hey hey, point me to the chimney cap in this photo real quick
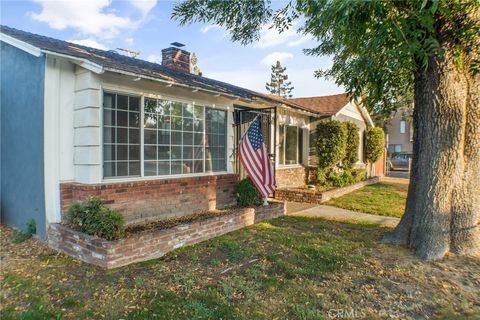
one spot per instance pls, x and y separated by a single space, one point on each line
177 44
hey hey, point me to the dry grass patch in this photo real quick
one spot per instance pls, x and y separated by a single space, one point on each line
288 268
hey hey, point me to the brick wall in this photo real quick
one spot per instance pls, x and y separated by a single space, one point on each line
151 200
312 196
290 177
154 244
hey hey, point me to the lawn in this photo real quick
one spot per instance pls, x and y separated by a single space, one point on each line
289 268
385 199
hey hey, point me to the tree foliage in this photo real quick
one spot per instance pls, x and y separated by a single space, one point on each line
376 45
194 68
351 149
375 143
279 84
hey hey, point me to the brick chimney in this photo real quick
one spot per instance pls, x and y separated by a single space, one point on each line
176 59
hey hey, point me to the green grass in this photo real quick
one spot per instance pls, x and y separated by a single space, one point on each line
380 199
288 268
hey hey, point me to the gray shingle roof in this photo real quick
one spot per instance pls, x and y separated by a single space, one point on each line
111 60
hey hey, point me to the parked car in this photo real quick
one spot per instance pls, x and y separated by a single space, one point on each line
399 161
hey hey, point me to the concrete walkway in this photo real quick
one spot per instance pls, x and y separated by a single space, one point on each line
338 213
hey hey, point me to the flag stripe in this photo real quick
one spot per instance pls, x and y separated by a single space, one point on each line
255 159
252 172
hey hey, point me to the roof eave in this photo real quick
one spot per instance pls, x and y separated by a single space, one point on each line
22 45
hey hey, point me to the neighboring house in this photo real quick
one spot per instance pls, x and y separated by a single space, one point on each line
338 107
153 141
400 132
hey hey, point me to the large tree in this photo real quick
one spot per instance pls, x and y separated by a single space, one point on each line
383 50
279 84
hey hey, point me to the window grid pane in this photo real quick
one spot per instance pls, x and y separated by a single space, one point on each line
121 135
173 137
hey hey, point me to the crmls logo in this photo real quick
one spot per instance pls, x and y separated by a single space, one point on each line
346 314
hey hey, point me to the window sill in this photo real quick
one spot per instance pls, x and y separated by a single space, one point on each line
177 176
289 166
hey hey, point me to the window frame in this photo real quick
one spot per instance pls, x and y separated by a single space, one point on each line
403 126
102 138
282 157
114 90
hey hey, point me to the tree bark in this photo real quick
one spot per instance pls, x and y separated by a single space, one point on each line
443 205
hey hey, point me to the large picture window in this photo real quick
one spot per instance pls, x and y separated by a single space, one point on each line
173 138
121 135
178 138
291 145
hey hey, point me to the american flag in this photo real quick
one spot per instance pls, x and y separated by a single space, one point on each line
255 159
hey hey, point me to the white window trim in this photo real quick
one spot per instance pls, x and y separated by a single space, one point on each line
142 96
293 165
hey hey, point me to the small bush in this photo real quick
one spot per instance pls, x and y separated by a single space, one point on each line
340 180
21 236
359 175
247 193
92 217
351 150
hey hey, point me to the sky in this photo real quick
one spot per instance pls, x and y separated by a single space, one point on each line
146 26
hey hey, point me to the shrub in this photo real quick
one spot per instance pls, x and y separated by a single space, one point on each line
247 193
21 236
331 142
340 180
375 143
359 175
94 218
351 149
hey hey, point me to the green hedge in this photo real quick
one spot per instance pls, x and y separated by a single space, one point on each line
93 218
247 193
331 141
351 149
375 143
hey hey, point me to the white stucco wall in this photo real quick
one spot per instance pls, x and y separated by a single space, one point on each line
59 131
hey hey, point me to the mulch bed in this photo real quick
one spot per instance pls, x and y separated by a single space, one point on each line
173 222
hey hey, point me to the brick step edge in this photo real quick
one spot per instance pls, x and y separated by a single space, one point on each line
310 196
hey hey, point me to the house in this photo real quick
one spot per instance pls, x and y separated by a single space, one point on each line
400 131
152 140
335 107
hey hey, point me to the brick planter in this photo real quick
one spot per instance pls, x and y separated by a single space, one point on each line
157 199
153 244
318 197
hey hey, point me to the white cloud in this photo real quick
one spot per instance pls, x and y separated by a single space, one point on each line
209 27
303 80
88 17
155 58
273 57
89 43
145 6
130 41
298 41
270 37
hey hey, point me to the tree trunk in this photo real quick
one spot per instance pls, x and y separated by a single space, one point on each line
443 205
